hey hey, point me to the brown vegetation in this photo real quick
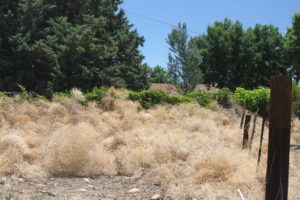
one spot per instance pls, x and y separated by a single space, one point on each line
165 87
191 151
171 89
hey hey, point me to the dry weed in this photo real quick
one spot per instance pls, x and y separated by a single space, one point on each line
191 151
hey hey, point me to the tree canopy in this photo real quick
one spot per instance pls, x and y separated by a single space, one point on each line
292 46
234 57
184 59
51 45
159 75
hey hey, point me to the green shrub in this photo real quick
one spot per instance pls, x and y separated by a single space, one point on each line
224 97
201 97
2 94
254 99
96 94
149 98
179 99
23 94
242 96
134 96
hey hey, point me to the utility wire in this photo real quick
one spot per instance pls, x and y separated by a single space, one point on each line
159 21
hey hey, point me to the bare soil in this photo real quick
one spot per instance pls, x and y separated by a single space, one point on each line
74 188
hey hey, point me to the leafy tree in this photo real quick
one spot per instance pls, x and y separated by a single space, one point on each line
292 46
51 45
263 53
221 49
234 57
184 59
159 75
132 77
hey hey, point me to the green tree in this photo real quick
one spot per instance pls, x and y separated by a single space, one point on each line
159 75
237 58
263 55
292 46
221 48
51 45
184 59
193 74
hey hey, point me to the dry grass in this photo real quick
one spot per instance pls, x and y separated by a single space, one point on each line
165 87
192 152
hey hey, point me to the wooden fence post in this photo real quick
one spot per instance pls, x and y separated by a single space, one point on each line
279 139
261 140
253 130
243 116
246 130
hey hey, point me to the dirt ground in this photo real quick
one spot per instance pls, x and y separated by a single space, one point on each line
100 188
91 188
296 153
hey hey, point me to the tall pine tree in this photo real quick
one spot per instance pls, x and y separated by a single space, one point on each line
51 45
184 59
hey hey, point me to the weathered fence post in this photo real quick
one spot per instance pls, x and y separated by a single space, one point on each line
253 130
261 140
279 139
243 116
246 130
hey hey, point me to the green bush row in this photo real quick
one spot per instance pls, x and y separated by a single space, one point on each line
201 97
96 94
254 100
257 99
149 98
224 97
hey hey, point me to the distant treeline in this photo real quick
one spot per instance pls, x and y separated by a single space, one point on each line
228 55
50 46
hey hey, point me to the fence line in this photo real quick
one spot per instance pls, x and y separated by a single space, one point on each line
246 130
279 146
253 130
293 146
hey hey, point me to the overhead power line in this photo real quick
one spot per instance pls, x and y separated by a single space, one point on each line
159 21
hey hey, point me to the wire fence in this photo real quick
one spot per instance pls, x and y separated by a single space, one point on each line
266 124
263 124
249 118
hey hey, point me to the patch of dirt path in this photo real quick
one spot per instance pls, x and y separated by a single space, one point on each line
104 188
